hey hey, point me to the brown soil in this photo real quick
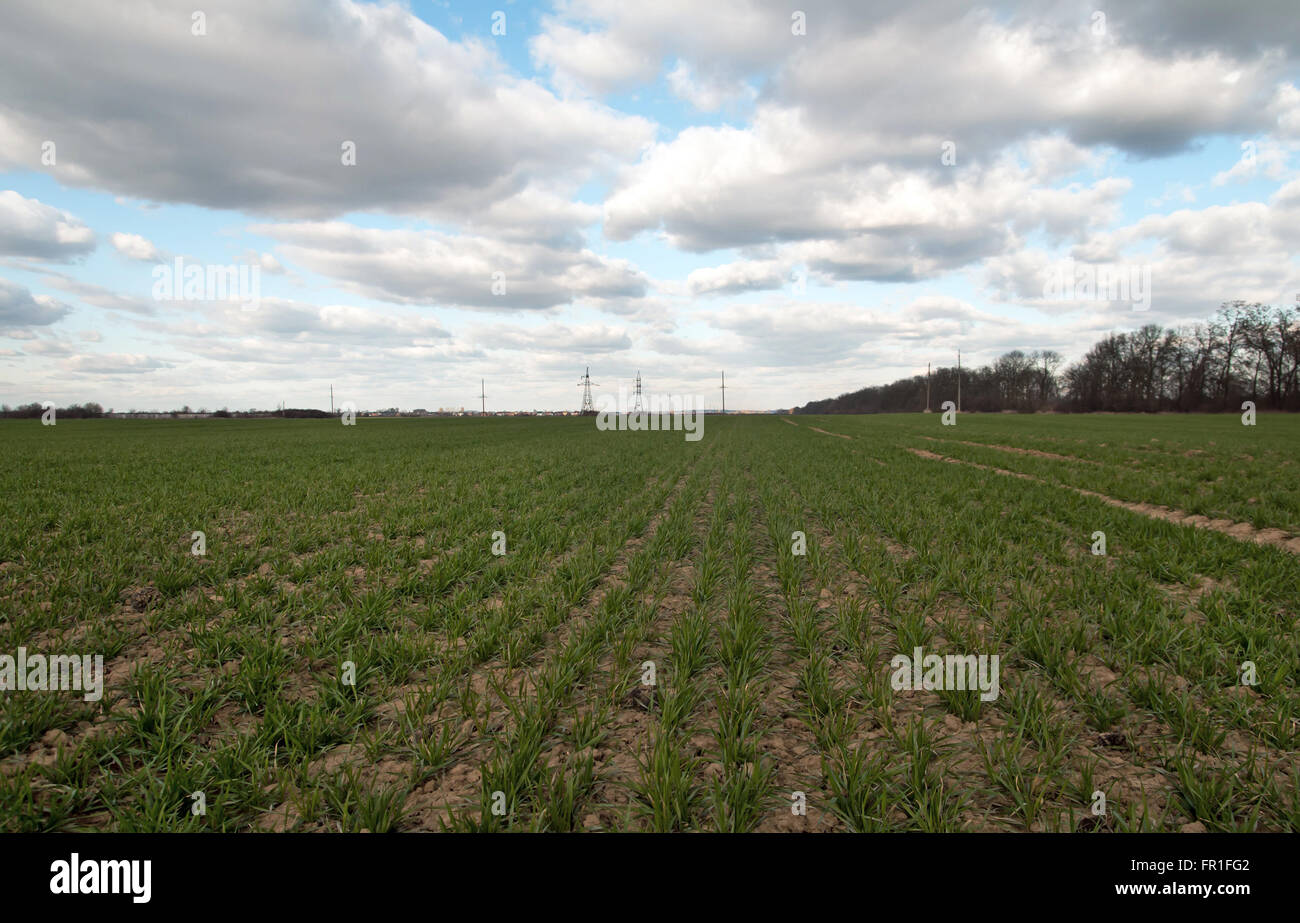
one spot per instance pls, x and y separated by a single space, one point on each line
840 435
1015 450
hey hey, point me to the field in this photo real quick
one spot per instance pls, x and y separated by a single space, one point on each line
352 652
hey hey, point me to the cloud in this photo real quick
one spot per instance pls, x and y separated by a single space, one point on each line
29 228
881 224
602 46
20 308
705 94
47 348
846 139
740 276
439 269
786 332
587 61
97 295
1195 260
1206 25
584 339
340 324
135 247
901 85
1264 158
254 115
112 364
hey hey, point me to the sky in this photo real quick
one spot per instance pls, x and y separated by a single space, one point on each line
404 200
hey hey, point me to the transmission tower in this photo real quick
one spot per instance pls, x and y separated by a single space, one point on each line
588 407
724 392
482 387
636 395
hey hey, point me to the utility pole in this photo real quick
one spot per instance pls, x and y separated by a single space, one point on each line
724 392
331 400
959 381
482 397
927 387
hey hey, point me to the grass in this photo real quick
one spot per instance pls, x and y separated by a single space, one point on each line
350 654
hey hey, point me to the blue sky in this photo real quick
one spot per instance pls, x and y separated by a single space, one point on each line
661 188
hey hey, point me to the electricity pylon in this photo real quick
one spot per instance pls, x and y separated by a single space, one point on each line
588 406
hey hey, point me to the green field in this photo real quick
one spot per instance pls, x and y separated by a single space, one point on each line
349 653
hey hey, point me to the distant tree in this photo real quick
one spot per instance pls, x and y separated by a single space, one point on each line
1245 350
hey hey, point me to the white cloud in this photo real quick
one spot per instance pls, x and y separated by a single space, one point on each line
30 228
255 114
704 94
740 276
1259 158
434 268
112 364
97 295
592 62
135 247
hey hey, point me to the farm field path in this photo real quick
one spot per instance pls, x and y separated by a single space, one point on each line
1239 530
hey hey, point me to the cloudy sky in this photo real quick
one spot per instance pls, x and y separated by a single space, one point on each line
813 196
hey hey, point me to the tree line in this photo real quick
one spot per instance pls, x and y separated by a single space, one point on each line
1247 351
34 410
91 410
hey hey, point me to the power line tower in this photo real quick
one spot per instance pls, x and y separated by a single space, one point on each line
927 387
588 406
636 395
482 387
724 392
331 400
